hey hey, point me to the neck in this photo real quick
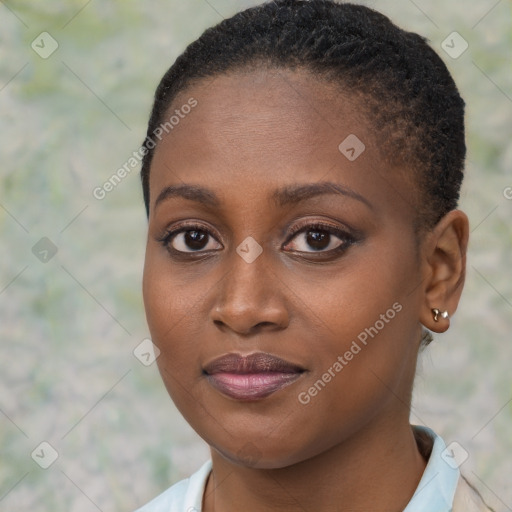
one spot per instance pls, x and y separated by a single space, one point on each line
379 465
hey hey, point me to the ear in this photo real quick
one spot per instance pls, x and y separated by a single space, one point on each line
444 268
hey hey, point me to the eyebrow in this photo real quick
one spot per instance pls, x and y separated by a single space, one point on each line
290 194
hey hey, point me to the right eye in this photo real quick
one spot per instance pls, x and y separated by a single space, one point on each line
194 237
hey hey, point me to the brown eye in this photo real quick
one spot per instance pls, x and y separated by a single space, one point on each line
319 238
190 239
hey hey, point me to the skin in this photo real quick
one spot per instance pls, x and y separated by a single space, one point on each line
351 447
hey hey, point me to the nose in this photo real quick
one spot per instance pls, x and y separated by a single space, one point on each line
250 299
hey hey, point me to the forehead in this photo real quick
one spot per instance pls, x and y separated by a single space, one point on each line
255 131
269 109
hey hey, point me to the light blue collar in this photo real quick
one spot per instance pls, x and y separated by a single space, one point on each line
437 486
434 492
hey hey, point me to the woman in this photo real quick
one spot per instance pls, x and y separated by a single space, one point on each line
301 174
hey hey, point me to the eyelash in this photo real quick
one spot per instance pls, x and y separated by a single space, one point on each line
346 238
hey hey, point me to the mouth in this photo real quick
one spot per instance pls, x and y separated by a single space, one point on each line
251 377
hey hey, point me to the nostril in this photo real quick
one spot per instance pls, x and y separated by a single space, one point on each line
262 324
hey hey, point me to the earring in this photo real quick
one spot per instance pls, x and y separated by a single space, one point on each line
436 314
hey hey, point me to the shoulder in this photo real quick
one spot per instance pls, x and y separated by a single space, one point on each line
442 485
170 499
186 494
467 498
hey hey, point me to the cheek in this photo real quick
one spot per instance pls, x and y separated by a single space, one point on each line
366 327
362 368
166 302
175 302
168 307
359 302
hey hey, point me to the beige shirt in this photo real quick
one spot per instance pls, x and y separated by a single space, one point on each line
467 499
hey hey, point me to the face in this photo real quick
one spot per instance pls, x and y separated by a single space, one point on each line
282 288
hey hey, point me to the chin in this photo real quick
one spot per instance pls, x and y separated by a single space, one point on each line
256 455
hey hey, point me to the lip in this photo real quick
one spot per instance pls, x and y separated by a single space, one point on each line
251 377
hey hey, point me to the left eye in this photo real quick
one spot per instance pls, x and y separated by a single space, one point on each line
320 238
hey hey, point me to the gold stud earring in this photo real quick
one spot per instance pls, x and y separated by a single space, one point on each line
436 313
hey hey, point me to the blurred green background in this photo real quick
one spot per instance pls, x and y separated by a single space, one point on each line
70 321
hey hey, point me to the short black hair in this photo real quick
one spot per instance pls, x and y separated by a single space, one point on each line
409 95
